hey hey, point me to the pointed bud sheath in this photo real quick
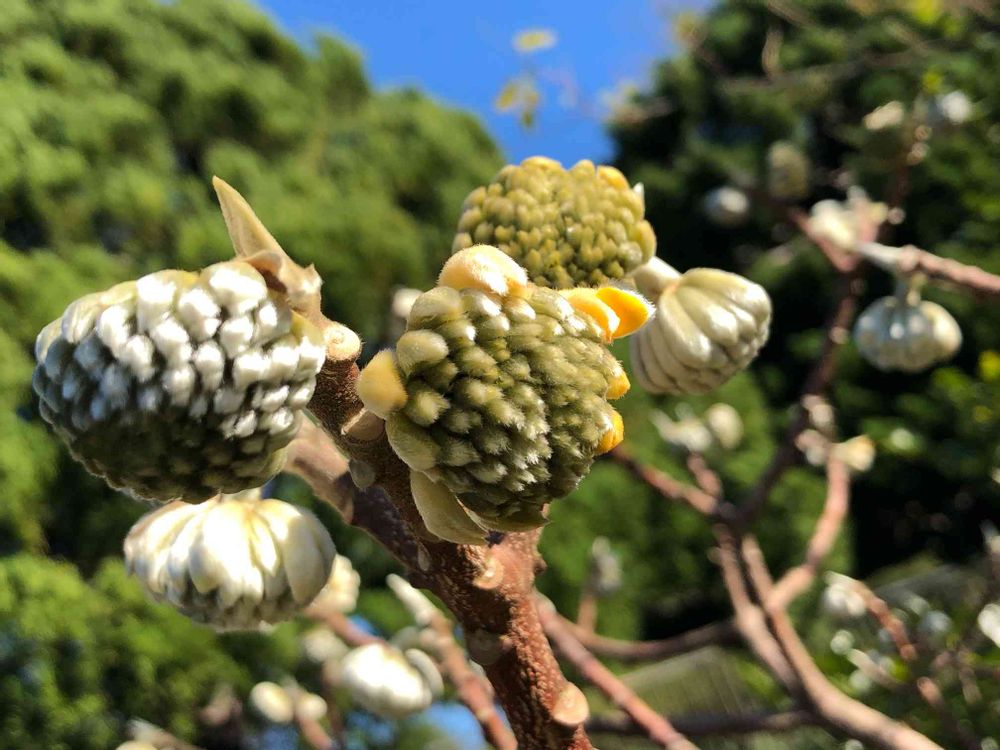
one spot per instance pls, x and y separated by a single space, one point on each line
578 227
234 561
904 333
709 325
497 396
388 682
184 385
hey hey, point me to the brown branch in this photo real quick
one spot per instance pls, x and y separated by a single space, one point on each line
490 590
910 260
713 634
470 687
670 488
924 685
657 727
709 725
836 709
824 536
817 382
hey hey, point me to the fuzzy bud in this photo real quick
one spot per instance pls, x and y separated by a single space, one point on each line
388 682
709 325
904 333
788 170
184 385
497 396
578 227
726 206
234 561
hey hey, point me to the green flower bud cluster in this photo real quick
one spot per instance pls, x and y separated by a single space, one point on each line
578 227
506 399
179 385
906 333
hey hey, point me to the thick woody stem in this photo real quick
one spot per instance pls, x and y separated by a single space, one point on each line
470 686
657 727
490 590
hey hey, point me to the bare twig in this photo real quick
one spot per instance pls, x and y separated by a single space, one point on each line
910 260
713 634
670 488
658 728
824 536
709 725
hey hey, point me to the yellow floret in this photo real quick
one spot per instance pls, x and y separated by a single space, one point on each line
631 308
612 437
485 268
380 387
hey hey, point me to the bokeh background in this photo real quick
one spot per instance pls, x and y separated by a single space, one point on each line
356 130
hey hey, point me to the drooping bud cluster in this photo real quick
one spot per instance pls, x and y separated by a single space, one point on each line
578 227
498 392
184 385
904 333
234 561
843 223
709 325
389 682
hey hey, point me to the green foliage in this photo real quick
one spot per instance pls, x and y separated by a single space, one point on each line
828 64
116 115
78 660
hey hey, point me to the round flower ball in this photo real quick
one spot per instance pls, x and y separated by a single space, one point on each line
581 226
497 394
234 561
182 385
904 333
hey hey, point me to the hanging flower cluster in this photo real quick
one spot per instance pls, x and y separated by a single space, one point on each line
234 561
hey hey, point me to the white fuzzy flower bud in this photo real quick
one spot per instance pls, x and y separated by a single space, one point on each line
421 609
904 333
389 682
725 424
340 594
726 206
841 600
709 325
988 621
320 645
951 109
890 115
234 561
858 453
272 702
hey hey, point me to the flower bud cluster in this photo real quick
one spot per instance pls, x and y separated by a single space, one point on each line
578 227
179 385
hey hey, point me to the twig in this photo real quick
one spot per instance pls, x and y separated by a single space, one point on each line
670 488
910 260
657 727
817 382
824 536
470 686
713 634
710 725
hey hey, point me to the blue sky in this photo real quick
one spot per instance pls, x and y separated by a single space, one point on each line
461 53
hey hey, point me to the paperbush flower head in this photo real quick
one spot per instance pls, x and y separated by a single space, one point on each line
904 333
709 325
389 682
234 561
184 385
497 395
578 227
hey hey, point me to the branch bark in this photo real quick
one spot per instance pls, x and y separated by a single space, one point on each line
657 727
490 590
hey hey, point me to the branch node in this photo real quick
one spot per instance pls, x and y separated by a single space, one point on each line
570 708
491 574
362 473
486 648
